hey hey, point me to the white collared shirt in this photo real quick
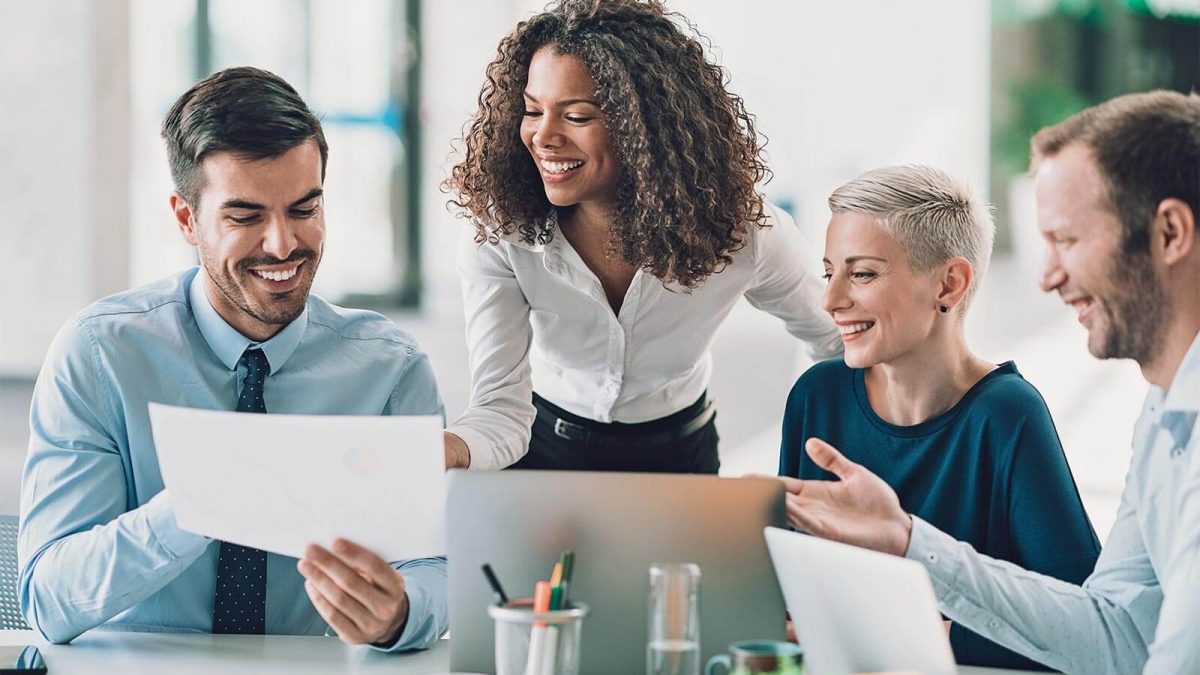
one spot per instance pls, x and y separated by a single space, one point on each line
538 319
1140 608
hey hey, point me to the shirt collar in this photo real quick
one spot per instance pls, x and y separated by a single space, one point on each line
1184 393
228 344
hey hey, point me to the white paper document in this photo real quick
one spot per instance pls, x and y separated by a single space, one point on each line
280 482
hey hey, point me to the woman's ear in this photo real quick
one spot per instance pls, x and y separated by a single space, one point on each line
957 277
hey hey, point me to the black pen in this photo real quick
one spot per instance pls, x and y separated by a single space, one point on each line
501 598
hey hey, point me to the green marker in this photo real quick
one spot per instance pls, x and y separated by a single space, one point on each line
568 567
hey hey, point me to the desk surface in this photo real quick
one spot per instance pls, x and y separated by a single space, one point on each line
186 653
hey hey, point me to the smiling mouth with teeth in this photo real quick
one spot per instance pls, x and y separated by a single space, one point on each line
283 275
560 167
855 328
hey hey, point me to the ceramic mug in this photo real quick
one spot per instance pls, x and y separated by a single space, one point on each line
759 657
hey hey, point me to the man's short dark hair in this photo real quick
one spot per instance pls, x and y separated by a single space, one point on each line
1147 147
250 112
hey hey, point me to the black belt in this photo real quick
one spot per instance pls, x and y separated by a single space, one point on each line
590 432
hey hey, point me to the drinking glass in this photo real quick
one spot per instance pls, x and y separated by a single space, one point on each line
673 647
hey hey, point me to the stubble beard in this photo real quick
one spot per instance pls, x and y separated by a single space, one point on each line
1137 310
278 311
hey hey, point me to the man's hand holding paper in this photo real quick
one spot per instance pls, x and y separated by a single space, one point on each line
358 593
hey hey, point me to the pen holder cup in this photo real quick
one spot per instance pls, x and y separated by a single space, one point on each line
533 643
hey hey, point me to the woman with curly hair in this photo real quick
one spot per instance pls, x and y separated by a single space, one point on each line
611 181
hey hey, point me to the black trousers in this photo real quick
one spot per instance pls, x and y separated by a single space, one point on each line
622 447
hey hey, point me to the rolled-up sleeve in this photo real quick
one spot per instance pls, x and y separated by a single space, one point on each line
496 423
788 285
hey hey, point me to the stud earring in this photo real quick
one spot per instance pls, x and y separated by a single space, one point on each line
944 309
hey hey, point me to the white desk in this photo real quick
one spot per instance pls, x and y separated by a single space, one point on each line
186 653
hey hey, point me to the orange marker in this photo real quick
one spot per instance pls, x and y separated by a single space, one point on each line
542 654
541 598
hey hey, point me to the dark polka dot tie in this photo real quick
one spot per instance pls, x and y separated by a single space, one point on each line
240 597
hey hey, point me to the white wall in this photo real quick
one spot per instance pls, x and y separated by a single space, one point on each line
843 87
460 40
64 168
160 69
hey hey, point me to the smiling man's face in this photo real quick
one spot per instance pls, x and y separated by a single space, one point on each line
260 232
1116 294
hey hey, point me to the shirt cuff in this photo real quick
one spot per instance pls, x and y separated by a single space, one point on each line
945 558
981 594
937 552
412 637
483 458
176 541
425 584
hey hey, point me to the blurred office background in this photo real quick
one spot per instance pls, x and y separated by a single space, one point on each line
838 87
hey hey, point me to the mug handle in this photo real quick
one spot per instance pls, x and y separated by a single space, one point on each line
719 660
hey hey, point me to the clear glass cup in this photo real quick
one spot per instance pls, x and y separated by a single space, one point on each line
531 643
673 644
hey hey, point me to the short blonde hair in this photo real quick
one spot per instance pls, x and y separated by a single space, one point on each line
934 217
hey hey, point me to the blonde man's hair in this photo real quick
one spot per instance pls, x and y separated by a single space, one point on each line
932 216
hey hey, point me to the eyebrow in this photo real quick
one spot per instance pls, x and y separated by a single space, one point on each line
856 258
238 203
312 194
569 101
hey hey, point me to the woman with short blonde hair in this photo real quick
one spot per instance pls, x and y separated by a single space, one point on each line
968 445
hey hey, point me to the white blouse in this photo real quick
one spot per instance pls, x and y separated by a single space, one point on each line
538 320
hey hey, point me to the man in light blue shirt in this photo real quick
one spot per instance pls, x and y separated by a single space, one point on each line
98 541
1118 195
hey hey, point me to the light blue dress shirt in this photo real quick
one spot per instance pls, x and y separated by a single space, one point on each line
98 542
1140 608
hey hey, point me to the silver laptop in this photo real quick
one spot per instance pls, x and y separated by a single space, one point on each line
856 610
617 524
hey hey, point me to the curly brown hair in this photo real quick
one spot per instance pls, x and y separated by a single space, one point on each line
688 152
